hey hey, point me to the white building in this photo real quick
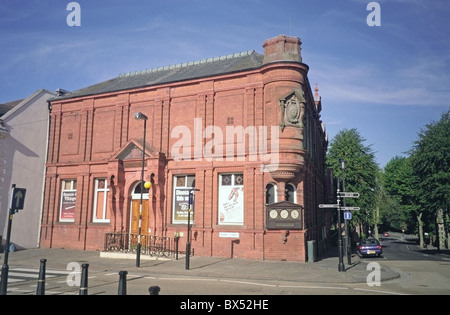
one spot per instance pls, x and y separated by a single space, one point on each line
23 150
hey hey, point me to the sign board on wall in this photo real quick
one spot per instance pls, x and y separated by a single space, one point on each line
181 206
68 205
284 215
229 234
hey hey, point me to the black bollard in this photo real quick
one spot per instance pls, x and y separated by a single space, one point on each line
123 282
84 280
41 281
154 290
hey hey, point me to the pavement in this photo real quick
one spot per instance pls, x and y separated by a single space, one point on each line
324 270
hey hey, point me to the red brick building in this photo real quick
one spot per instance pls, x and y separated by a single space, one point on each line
243 129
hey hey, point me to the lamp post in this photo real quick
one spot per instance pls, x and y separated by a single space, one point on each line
140 116
188 241
347 238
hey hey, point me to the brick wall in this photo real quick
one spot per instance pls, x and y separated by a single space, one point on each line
89 133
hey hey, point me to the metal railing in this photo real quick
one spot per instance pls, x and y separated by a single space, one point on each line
157 246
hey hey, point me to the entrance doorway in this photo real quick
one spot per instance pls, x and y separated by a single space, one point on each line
134 228
134 215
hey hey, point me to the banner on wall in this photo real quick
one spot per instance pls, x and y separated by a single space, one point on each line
231 205
68 205
181 206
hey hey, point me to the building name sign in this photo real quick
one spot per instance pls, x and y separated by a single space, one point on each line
229 234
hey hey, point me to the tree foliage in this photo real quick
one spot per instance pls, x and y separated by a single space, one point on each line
360 172
400 183
420 183
430 159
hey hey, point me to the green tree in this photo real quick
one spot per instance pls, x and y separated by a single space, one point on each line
360 173
388 213
430 160
400 183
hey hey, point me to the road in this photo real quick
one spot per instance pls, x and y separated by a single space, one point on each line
423 272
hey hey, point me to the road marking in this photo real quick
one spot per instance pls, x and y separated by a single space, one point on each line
52 272
187 279
312 287
380 291
251 283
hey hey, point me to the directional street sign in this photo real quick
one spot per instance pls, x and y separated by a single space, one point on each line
349 208
349 194
18 198
347 215
328 206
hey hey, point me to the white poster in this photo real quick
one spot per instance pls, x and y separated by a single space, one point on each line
231 205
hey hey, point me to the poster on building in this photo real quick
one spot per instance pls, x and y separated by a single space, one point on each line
231 205
181 206
68 205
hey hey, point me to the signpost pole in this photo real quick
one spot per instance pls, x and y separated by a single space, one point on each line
347 236
341 266
5 267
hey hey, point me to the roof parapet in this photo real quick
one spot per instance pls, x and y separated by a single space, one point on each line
187 64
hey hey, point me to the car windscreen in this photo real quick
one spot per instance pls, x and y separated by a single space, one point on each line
369 242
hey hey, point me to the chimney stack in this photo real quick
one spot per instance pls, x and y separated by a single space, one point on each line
282 48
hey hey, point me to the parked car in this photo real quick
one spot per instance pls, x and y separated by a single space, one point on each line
370 247
386 234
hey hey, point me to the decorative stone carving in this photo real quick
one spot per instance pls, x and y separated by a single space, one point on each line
292 108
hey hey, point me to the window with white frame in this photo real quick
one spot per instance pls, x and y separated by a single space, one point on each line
101 211
68 200
291 193
231 199
183 185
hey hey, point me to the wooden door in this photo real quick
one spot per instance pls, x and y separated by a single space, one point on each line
135 205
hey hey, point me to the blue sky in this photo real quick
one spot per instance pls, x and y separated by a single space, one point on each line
386 81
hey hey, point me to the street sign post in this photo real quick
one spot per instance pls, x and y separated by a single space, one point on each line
16 203
18 198
347 215
328 206
348 194
350 208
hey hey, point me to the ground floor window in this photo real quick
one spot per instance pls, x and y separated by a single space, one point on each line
68 199
182 187
101 211
231 199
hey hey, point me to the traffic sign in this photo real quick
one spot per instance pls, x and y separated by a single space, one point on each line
349 208
349 194
347 215
18 198
328 206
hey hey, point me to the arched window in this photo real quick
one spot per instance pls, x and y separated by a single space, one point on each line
136 194
290 193
271 193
